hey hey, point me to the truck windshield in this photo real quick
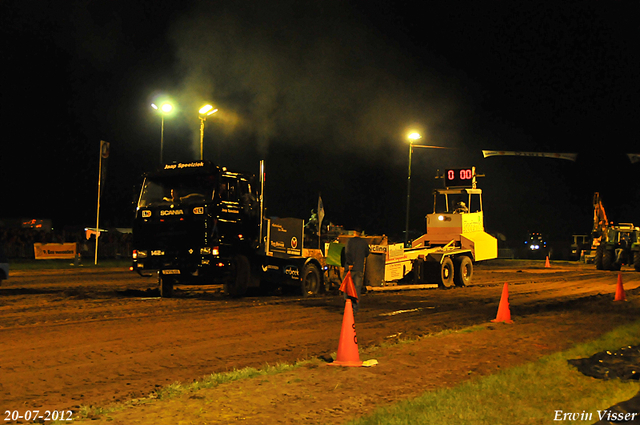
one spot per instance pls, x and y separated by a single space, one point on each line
177 190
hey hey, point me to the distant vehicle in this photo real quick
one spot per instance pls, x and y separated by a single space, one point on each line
579 247
615 245
536 246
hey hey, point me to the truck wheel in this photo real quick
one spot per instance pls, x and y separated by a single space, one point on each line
237 284
463 271
636 260
598 257
311 282
446 273
608 258
165 284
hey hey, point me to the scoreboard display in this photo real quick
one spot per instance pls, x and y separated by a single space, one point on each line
459 177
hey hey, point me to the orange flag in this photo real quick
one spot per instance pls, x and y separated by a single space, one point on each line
348 287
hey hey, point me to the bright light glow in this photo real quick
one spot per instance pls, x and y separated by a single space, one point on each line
414 136
205 109
164 108
441 217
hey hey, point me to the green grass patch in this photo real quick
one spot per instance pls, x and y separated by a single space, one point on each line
178 389
215 379
529 394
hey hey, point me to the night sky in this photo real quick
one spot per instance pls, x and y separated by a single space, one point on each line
326 93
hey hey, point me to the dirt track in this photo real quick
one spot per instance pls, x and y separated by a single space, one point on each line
90 337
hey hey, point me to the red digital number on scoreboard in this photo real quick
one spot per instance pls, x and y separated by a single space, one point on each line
456 177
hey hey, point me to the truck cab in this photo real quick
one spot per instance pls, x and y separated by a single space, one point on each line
191 219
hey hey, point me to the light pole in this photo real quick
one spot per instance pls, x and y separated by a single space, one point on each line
164 109
205 111
412 138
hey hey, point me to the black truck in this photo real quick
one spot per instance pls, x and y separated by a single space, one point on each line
199 223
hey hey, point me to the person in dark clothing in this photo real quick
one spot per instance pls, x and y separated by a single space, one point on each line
356 253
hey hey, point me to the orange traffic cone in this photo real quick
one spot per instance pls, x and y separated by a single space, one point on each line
504 314
348 346
547 263
620 295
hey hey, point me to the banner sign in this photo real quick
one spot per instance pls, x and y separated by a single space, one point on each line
54 251
567 156
285 237
396 251
104 149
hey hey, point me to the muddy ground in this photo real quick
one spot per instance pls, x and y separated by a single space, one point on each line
94 337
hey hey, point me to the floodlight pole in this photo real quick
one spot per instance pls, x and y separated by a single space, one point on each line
161 137
205 111
406 228
163 109
201 138
412 138
104 154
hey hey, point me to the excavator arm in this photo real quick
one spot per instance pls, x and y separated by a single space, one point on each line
600 221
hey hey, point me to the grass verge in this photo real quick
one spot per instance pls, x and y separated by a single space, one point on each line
535 393
178 389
